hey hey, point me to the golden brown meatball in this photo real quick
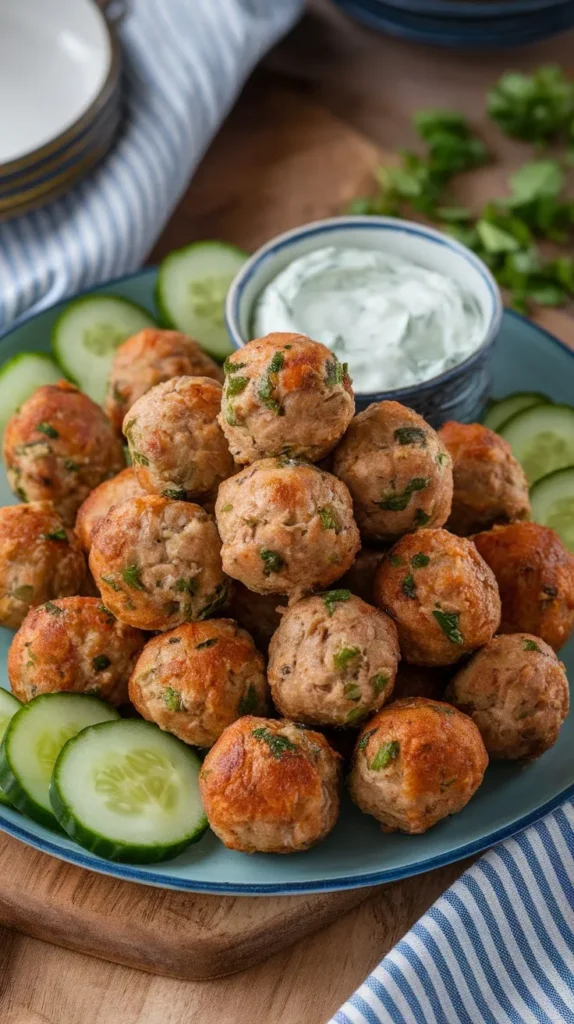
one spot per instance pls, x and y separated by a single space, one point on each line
259 614
73 645
535 576
516 691
490 486
287 527
58 447
285 395
39 559
111 492
270 786
157 563
333 660
199 678
441 594
416 762
148 358
420 681
175 442
397 469
360 577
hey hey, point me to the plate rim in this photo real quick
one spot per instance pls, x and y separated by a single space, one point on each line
143 875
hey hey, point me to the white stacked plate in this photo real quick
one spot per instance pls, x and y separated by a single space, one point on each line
60 98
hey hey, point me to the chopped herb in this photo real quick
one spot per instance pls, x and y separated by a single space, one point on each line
535 107
442 458
269 382
277 363
132 576
249 701
172 699
365 739
448 622
278 744
385 754
441 709
379 682
175 495
56 535
329 520
231 367
419 560
235 385
408 586
52 608
129 427
530 645
48 430
332 597
219 598
25 592
334 372
206 643
272 560
550 591
100 662
227 508
355 714
230 415
21 493
186 586
399 502
105 611
174 640
137 457
396 561
421 517
71 466
111 583
411 435
342 658
352 691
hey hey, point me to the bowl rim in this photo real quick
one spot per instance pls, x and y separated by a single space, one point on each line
345 222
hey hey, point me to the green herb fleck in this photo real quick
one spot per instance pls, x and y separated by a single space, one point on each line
52 608
141 460
365 739
421 517
56 535
71 466
100 662
396 561
385 754
408 586
25 592
352 691
530 645
272 561
269 381
334 372
399 502
448 622
48 430
411 435
219 598
342 658
110 581
332 597
355 714
186 585
172 699
206 643
230 415
378 683
419 560
441 709
231 367
249 701
105 611
227 508
329 520
21 493
442 458
278 744
174 640
174 494
132 576
235 386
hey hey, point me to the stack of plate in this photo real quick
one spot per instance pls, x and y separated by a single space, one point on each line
465 23
60 98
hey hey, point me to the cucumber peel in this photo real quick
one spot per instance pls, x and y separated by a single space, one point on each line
552 501
20 377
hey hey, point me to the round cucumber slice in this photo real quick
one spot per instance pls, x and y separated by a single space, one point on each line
128 792
552 500
32 742
87 333
191 289
20 377
542 439
499 412
9 705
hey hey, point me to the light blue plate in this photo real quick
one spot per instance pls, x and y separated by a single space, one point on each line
356 853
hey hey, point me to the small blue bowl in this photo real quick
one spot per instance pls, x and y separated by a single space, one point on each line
459 393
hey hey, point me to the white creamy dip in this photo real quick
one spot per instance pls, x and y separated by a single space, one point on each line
394 322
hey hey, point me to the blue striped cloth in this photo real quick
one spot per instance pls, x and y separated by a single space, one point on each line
496 948
186 61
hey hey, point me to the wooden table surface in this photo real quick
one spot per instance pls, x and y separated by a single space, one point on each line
371 84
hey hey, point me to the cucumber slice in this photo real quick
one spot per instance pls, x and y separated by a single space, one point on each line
542 439
32 742
500 411
20 377
9 705
129 792
87 333
191 289
552 501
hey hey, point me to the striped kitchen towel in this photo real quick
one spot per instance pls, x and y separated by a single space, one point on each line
185 63
496 948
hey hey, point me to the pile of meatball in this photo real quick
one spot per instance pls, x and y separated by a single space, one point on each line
285 584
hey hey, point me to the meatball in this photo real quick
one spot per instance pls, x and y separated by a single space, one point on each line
535 576
157 563
199 678
516 692
490 486
148 358
259 614
175 441
360 577
285 395
73 645
111 492
58 447
39 559
333 660
416 762
270 786
287 527
397 469
420 681
441 594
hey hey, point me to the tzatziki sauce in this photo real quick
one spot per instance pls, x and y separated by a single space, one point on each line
394 322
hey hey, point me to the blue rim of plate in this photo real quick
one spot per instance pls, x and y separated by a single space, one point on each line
475 11
143 876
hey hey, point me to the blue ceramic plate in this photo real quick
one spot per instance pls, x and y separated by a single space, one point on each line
356 853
